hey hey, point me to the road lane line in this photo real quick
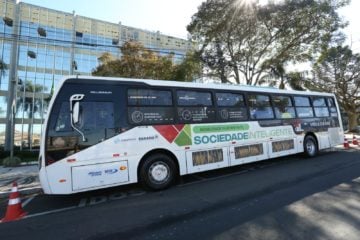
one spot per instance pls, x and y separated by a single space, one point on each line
49 212
82 202
27 201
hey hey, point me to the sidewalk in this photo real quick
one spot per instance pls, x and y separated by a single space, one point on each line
349 136
26 177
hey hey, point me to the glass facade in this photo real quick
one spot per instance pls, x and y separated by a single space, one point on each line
48 44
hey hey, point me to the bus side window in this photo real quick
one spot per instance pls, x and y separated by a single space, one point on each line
332 107
303 107
195 106
150 106
320 107
260 107
231 107
283 107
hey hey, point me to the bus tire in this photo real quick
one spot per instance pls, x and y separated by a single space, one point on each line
310 146
158 172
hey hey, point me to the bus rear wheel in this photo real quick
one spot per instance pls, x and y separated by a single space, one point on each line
310 146
158 172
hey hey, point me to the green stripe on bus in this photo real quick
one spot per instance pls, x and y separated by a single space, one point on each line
221 128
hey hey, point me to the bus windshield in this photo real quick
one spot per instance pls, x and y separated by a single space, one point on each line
96 121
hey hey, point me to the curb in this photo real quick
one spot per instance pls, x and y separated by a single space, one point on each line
23 164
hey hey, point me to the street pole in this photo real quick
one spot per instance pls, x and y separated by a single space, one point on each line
11 104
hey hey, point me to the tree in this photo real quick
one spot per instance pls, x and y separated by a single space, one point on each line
29 104
294 79
139 62
189 69
242 40
338 71
3 68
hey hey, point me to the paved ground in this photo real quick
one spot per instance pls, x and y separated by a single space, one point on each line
285 198
26 177
28 180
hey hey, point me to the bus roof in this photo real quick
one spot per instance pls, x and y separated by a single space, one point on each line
217 86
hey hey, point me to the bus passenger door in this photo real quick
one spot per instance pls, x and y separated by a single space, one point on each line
207 159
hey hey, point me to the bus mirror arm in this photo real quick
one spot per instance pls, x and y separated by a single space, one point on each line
75 113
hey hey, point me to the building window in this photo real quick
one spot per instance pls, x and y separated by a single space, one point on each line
79 34
31 54
8 21
41 32
115 41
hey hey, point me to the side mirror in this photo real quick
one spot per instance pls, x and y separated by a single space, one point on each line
76 112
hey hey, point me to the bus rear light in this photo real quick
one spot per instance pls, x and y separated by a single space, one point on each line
233 142
71 160
122 168
62 180
187 148
116 155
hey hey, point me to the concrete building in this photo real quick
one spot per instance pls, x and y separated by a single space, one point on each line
38 46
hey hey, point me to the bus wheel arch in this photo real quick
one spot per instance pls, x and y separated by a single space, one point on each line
311 145
158 169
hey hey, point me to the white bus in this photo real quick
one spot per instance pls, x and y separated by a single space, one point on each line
105 132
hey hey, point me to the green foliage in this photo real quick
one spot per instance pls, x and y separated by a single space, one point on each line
4 154
25 156
189 69
11 162
337 70
245 40
139 62
29 104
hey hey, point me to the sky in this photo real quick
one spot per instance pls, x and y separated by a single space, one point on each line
170 17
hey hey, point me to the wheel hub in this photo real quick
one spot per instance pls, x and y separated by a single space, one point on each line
310 147
159 172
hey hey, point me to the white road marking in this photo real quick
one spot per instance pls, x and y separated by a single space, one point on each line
27 201
52 211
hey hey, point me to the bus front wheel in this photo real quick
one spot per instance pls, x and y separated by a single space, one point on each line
158 172
310 146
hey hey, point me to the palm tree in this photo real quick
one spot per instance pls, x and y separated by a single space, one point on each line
30 104
278 76
3 68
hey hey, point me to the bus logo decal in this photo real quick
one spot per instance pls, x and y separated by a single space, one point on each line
94 174
179 133
110 171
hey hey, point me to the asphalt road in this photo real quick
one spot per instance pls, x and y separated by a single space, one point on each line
285 198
